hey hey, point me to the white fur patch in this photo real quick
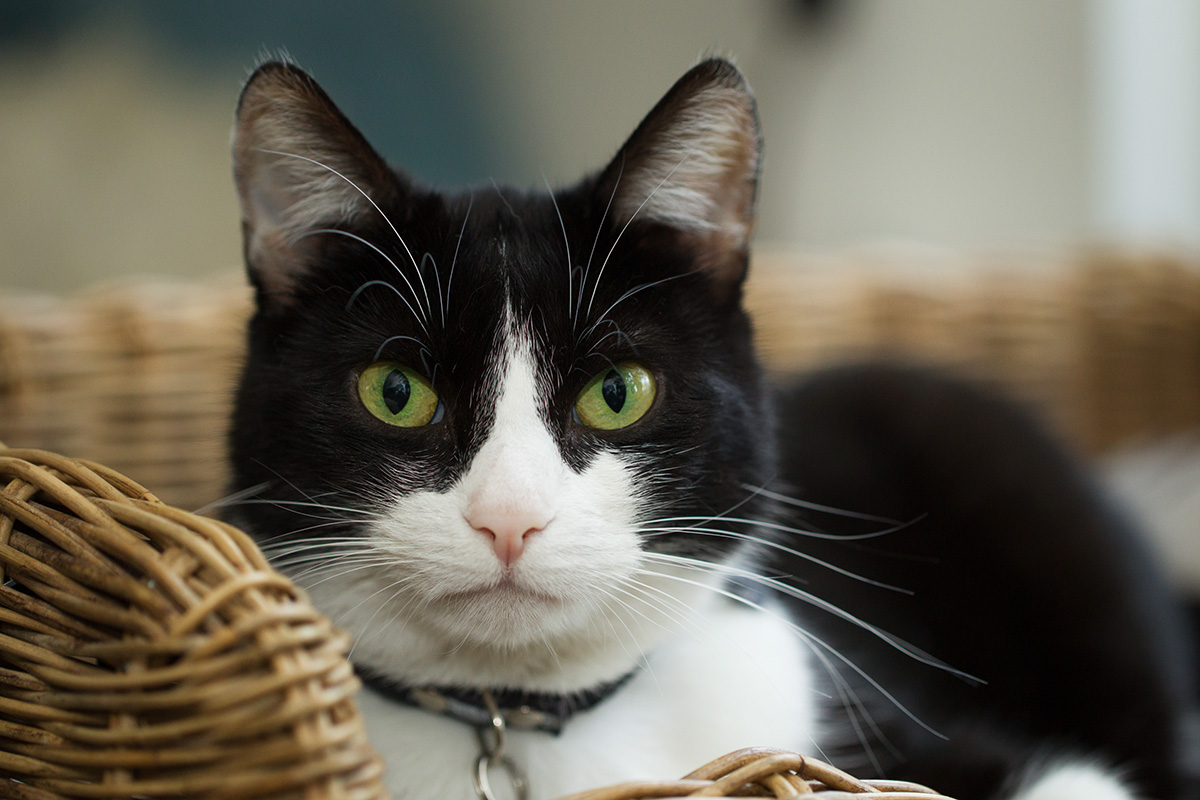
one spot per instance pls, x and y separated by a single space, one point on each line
698 697
1075 781
519 474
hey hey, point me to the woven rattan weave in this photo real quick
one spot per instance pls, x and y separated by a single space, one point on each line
762 772
146 652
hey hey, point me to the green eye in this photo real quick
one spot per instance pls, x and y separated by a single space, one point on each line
617 397
398 395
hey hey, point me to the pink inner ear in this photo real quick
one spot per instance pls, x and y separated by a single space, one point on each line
299 165
276 253
274 264
300 187
697 168
269 202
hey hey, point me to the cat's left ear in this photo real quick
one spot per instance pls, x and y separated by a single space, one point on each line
692 166
300 166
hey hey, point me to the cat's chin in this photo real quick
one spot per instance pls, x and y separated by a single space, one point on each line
506 591
503 616
502 636
505 633
496 632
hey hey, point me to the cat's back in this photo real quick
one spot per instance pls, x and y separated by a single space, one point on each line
1007 563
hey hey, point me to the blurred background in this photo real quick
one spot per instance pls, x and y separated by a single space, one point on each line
995 122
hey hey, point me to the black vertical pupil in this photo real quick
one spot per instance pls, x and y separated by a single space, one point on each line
396 391
613 390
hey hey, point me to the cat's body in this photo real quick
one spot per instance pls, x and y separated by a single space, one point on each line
688 703
520 441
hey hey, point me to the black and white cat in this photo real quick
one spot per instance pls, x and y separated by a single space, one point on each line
518 443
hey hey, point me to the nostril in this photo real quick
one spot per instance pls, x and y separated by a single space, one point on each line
508 541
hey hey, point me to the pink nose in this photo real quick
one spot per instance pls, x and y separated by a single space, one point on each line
508 529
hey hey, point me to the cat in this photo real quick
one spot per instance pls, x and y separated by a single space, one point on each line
518 443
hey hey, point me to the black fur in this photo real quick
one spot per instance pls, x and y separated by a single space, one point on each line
1021 571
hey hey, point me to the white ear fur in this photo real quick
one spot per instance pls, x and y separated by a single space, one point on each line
298 165
293 192
693 163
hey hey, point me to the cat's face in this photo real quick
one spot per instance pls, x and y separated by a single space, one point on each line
486 420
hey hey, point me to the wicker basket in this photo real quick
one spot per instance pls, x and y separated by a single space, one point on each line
138 377
1108 345
763 772
146 652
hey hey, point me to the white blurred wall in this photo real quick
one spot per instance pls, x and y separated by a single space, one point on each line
1145 119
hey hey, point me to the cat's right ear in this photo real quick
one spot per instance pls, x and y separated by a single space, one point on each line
299 166
691 169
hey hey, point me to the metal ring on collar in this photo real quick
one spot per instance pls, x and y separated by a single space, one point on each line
483 784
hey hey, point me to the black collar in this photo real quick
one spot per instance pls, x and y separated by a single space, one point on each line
520 709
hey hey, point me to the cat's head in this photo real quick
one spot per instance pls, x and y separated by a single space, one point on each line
495 426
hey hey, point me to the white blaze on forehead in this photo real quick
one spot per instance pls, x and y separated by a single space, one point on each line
519 469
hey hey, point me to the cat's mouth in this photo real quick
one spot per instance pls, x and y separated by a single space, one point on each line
505 590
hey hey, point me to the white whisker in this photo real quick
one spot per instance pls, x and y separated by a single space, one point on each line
626 296
281 550
503 199
746 537
396 615
840 512
457 246
399 338
437 282
629 222
292 505
850 700
566 244
397 584
416 312
778 526
807 635
349 567
328 523
357 188
640 658
599 230
233 498
897 643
